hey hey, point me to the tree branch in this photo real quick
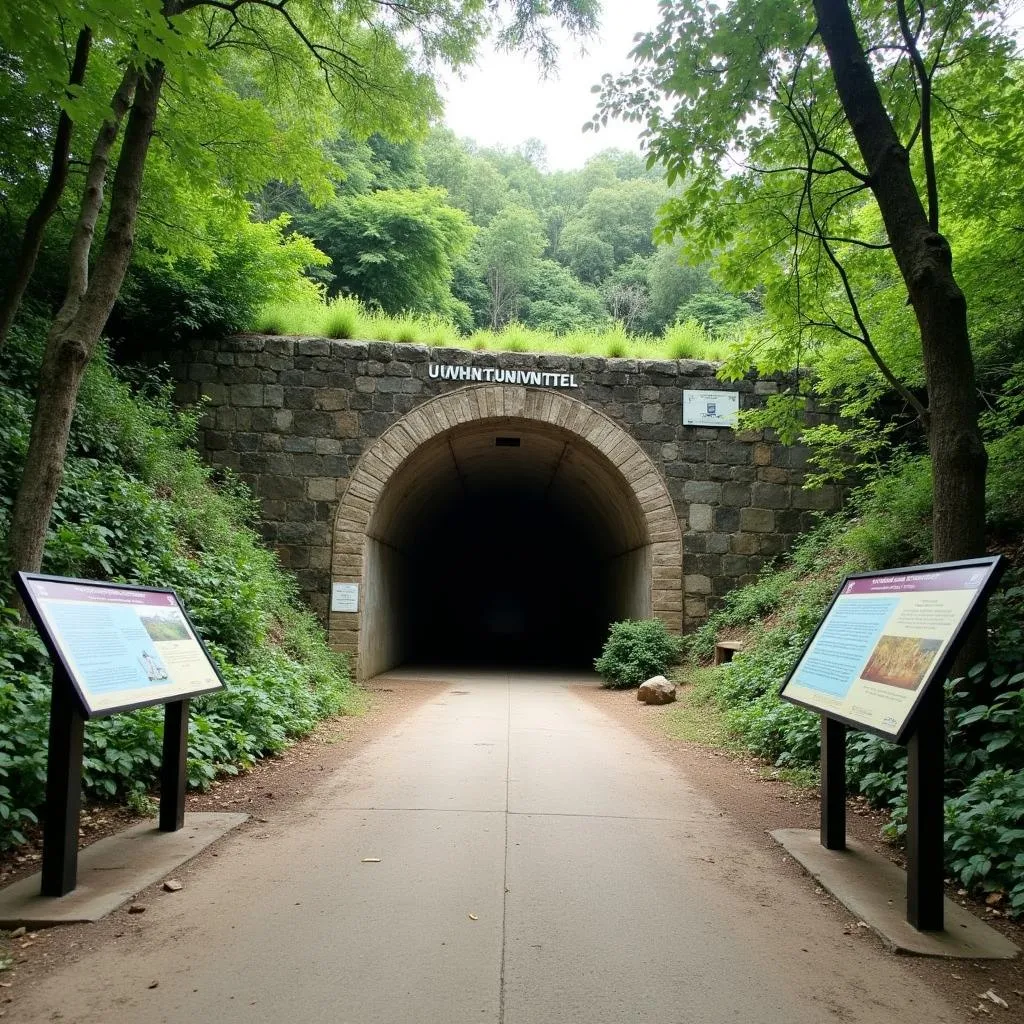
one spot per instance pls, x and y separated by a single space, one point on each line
925 82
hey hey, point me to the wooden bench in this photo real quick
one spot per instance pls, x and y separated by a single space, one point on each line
726 649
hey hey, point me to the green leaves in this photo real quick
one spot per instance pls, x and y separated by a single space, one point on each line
397 247
635 651
138 505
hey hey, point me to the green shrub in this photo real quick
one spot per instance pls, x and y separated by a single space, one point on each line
635 650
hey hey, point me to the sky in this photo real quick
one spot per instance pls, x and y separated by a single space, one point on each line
502 100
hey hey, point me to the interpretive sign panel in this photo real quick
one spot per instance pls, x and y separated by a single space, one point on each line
121 646
345 597
710 408
883 640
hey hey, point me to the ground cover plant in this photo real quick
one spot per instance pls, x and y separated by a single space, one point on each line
886 525
137 505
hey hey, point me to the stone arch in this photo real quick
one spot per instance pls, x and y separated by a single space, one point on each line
396 448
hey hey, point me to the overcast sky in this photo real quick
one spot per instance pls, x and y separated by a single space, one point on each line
502 100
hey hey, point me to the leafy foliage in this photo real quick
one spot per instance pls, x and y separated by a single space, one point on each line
984 740
635 650
397 248
137 505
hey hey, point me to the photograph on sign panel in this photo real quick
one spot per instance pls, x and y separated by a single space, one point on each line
164 624
901 661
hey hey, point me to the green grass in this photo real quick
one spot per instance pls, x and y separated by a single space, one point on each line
695 717
349 318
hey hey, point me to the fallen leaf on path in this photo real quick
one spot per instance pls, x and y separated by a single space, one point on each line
473 917
371 860
153 984
136 908
173 885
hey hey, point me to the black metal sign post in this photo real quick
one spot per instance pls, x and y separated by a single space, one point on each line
63 789
926 815
148 628
833 784
924 614
173 768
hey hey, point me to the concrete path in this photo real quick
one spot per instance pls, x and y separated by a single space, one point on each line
538 864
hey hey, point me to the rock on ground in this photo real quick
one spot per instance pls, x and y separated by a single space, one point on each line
657 690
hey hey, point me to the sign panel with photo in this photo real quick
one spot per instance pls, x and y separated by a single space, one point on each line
711 408
883 640
121 646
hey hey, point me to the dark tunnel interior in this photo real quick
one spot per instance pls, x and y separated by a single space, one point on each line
506 578
502 544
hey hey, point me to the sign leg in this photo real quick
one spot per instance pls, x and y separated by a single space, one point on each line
173 773
833 784
63 790
925 814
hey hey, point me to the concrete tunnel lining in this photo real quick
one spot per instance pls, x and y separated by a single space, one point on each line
580 482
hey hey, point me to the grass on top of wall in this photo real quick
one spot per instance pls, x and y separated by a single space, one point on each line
349 318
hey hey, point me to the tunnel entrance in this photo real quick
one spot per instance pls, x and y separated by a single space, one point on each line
502 543
501 526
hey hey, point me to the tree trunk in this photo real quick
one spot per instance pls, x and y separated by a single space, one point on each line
92 197
73 337
36 224
958 454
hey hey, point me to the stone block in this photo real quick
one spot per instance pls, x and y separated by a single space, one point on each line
652 413
727 520
701 517
734 565
736 494
762 454
757 520
281 487
322 488
744 543
767 495
331 399
217 394
822 498
729 453
381 351
704 492
718 543
697 584
774 475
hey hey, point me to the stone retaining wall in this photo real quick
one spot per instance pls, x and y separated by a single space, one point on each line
292 416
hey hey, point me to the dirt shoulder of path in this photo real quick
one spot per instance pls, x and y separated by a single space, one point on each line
266 792
742 787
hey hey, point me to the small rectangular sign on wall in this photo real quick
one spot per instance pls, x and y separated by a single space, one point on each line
345 597
710 408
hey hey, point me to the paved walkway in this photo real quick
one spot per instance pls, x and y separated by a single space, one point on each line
538 864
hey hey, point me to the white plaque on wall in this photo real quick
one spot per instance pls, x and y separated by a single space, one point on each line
710 408
345 597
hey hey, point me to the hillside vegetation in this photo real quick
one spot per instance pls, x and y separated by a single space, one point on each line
887 525
138 506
